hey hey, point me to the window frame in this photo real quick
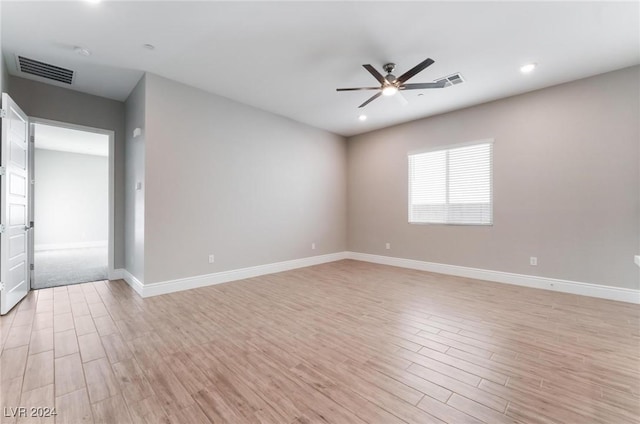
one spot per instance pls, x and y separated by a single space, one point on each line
410 153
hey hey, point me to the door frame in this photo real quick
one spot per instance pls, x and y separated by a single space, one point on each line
111 230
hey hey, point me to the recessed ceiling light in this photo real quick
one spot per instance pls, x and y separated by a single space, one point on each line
389 90
93 1
362 117
149 46
82 51
529 67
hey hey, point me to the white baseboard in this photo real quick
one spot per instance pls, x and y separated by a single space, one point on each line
164 287
125 275
80 245
116 274
565 286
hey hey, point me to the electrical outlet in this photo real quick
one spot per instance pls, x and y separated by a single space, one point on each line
313 246
533 261
388 246
212 259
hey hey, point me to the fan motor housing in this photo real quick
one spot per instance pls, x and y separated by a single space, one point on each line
389 67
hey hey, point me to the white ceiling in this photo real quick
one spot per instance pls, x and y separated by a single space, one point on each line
48 137
289 57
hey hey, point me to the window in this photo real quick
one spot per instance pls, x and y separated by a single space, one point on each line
452 186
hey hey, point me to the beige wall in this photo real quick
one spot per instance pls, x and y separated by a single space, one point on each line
566 184
46 101
243 184
134 173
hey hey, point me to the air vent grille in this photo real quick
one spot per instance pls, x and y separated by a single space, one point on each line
453 79
45 70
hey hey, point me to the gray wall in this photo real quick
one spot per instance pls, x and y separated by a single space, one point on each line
4 75
566 184
134 173
246 185
59 104
71 198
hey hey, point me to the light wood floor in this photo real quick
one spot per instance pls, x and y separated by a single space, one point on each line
346 342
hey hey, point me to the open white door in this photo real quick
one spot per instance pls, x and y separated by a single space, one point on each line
14 205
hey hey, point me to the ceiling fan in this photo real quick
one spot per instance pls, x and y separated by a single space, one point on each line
391 85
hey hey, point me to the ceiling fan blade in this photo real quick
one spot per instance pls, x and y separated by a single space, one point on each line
372 98
421 86
359 88
403 100
411 72
377 75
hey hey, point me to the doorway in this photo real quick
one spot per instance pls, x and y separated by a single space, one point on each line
72 198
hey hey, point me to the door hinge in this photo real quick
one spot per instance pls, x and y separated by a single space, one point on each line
31 267
3 113
32 139
1 286
1 170
2 228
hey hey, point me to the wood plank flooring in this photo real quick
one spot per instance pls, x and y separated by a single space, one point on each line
345 342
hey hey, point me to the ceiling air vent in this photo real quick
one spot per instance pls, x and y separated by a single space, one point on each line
453 79
45 70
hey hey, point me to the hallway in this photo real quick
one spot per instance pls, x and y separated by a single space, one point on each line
69 266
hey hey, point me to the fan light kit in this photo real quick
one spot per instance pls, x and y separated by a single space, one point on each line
389 90
390 85
528 68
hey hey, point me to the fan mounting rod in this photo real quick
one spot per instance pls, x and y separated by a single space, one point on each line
389 67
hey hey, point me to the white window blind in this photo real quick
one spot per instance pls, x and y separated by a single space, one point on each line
452 186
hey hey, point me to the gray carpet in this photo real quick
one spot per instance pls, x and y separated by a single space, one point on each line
69 266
